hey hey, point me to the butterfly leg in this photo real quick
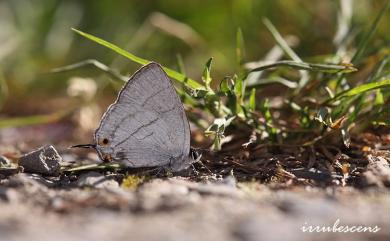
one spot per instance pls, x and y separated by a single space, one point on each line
194 170
163 171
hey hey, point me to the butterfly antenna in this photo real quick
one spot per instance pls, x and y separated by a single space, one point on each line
84 146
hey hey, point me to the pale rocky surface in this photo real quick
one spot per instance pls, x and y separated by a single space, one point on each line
378 171
177 209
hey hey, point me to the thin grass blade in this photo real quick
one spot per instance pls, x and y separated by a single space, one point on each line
286 48
111 72
240 47
252 99
206 76
367 37
171 73
326 68
362 89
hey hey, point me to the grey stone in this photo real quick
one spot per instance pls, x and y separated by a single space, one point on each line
44 160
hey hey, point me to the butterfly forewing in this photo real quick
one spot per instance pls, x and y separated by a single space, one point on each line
146 125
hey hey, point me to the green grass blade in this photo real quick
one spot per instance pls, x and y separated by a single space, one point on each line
280 41
226 85
326 68
111 72
94 167
361 89
113 47
286 48
379 100
171 73
266 112
238 85
206 76
274 80
363 44
180 64
240 47
379 68
252 99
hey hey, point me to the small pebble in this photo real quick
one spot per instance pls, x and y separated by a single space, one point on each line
44 160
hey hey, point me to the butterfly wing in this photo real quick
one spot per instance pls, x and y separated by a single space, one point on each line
146 125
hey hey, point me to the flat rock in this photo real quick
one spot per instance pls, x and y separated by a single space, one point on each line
44 160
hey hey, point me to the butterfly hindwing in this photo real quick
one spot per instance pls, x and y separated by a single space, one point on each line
146 125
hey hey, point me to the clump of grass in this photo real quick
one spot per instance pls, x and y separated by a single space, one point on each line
319 99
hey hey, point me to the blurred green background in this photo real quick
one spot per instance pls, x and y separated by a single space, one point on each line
36 37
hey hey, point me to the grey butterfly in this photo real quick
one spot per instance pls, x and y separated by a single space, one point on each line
146 126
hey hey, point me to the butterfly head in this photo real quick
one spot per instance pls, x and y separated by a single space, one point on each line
104 149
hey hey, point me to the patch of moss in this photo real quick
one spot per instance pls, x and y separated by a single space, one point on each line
132 181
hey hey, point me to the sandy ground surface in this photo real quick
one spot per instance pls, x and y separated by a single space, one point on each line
96 207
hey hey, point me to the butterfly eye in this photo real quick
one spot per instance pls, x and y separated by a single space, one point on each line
105 141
